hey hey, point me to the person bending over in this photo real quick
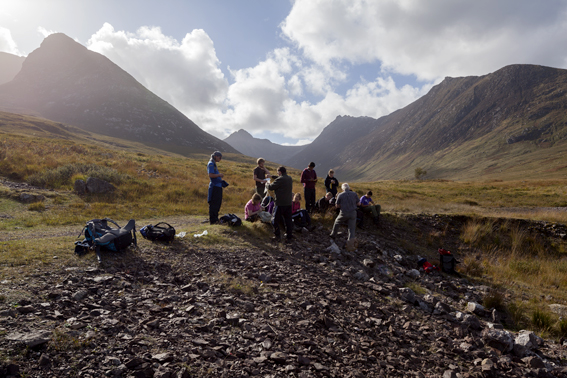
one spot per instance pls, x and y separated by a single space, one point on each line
300 217
347 201
253 208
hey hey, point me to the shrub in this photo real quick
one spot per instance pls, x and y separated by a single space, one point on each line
562 327
61 176
37 206
541 319
472 266
527 268
494 299
518 314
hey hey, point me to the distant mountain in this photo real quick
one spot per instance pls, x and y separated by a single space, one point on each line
509 124
10 65
246 144
65 82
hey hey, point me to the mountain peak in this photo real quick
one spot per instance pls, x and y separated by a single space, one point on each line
65 82
242 134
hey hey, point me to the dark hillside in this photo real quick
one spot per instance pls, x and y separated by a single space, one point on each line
463 128
65 82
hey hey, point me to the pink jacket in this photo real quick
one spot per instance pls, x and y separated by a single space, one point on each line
250 208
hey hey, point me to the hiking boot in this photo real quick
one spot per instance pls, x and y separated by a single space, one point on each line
276 239
376 221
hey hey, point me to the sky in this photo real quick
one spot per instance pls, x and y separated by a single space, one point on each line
284 69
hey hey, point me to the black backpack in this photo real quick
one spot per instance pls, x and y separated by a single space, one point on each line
231 220
447 261
162 231
98 234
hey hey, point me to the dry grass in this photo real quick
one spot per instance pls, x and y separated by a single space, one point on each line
154 185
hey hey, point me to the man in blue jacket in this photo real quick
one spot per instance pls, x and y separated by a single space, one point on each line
215 187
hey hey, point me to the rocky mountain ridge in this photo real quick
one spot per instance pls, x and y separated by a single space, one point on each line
306 309
246 144
464 127
65 82
10 65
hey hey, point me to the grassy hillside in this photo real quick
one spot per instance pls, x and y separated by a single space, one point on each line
151 183
475 219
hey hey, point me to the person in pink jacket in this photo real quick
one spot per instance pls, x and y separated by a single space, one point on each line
252 208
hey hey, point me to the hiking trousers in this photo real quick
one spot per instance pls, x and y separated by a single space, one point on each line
215 201
375 209
346 218
310 199
282 213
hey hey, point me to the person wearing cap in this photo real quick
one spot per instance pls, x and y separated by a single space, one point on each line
309 179
215 187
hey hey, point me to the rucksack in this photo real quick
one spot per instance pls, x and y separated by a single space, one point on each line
231 220
447 261
98 234
160 232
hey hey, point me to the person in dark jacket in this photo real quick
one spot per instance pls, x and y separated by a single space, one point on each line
331 183
261 175
309 179
323 203
282 187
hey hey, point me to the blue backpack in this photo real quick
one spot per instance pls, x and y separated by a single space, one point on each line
98 234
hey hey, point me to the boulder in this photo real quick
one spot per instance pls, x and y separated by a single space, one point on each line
80 187
98 186
407 295
499 339
31 198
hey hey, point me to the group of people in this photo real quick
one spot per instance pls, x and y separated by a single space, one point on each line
285 206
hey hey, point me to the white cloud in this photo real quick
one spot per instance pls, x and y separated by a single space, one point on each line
7 43
186 74
269 97
44 32
430 39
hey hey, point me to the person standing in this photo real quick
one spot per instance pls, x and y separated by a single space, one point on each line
214 197
282 187
309 179
347 201
367 205
260 173
331 183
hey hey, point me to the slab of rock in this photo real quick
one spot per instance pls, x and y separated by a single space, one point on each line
80 187
97 186
498 339
31 198
31 339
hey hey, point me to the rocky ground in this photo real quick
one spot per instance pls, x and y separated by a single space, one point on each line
304 309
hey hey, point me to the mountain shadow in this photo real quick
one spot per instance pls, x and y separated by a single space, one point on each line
65 82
